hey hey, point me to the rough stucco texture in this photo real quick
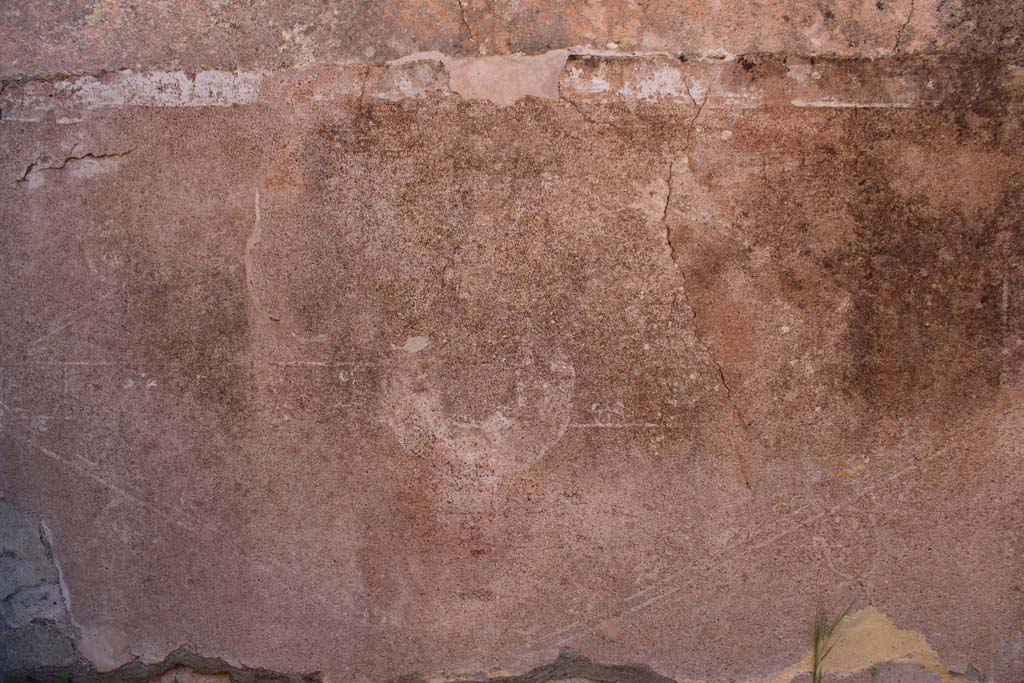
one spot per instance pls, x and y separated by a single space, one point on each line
426 339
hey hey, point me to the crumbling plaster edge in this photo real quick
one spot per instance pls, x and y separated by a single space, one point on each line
502 80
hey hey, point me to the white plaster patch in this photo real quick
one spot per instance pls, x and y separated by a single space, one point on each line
415 344
166 89
836 104
799 71
479 450
129 89
660 81
105 646
89 166
409 80
507 79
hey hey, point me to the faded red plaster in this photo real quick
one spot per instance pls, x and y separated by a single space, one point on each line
391 369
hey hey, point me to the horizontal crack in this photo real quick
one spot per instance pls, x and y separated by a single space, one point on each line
35 166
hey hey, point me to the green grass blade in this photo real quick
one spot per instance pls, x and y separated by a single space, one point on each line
839 619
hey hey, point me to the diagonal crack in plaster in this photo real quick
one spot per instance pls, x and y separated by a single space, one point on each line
468 27
701 339
693 123
664 211
674 253
903 28
586 117
738 414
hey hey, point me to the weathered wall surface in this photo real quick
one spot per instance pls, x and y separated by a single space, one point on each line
426 339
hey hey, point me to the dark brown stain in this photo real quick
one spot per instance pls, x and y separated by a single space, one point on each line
983 26
191 317
928 324
927 327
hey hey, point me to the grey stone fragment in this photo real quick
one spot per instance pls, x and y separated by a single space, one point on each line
24 558
35 627
34 647
43 602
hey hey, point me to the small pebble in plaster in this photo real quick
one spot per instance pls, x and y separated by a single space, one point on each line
415 344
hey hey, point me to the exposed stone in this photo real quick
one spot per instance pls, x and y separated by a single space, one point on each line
105 646
43 602
36 649
184 674
505 80
179 666
35 628
571 667
894 673
25 561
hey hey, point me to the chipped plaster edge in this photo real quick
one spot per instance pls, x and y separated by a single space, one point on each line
867 638
502 80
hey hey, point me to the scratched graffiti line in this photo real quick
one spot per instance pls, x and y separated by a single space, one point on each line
7 386
67 322
90 469
660 591
86 467
708 565
624 425
185 523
